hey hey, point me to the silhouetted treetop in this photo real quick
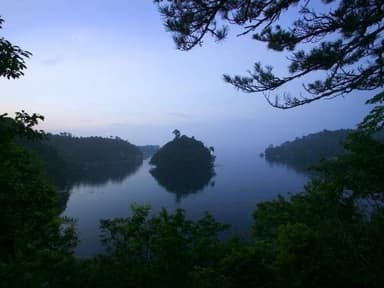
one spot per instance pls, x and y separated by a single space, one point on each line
21 126
176 132
374 121
344 38
12 58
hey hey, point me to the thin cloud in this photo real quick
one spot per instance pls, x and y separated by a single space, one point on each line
51 61
179 115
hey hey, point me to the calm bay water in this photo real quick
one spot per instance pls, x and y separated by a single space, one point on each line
242 180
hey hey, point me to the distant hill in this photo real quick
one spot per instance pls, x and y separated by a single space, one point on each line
70 159
183 152
148 150
305 152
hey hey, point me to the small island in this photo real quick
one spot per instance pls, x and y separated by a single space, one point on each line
185 153
183 166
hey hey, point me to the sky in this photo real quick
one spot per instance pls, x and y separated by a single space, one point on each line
109 68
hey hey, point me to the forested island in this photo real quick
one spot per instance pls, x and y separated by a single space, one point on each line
307 151
183 165
185 153
69 159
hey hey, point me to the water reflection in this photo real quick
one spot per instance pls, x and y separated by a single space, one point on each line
242 180
98 175
183 182
301 168
93 175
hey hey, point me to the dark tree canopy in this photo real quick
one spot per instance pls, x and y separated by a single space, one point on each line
183 153
177 133
12 58
71 160
306 152
345 41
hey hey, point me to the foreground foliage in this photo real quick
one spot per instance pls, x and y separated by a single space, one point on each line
33 238
12 58
164 250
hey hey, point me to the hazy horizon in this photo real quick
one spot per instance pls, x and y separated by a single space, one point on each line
111 69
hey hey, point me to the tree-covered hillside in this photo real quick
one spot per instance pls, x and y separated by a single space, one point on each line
183 153
94 150
69 159
304 152
183 165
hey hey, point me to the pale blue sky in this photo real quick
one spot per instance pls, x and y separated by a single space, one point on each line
110 68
